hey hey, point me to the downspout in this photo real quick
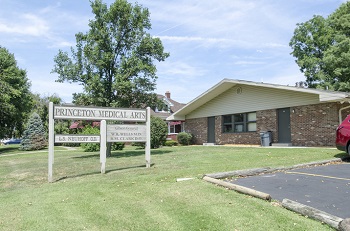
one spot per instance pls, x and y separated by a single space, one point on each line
340 110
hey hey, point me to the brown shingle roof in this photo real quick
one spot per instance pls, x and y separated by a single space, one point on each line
176 105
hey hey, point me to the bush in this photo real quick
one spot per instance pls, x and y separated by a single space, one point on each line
34 135
159 132
184 138
170 143
118 146
94 147
90 147
139 144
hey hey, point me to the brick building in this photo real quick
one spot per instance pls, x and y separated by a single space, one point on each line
169 107
237 112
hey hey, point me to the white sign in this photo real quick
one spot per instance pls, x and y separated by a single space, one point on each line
77 139
122 133
126 133
89 113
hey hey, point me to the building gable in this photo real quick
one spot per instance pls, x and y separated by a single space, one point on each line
246 98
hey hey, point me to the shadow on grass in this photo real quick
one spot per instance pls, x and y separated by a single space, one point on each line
8 149
131 153
98 172
344 156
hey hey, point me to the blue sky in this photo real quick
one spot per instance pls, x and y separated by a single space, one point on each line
208 40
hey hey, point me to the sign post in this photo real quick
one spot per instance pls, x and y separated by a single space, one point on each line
110 133
148 140
51 140
103 146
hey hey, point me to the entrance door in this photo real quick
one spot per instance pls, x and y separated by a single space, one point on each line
284 133
211 129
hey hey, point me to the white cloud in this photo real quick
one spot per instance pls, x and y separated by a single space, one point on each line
180 70
61 44
287 76
26 24
248 63
231 20
63 90
273 45
205 42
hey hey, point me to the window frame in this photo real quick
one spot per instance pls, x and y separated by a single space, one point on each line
234 123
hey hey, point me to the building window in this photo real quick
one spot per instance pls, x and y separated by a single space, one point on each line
175 127
243 122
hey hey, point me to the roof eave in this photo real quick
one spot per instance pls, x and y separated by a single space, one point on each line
226 84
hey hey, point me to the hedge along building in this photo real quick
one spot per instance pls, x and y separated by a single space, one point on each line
236 112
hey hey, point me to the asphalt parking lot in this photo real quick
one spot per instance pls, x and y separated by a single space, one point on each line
326 187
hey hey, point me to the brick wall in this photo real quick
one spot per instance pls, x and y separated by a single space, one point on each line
198 128
311 125
315 125
267 121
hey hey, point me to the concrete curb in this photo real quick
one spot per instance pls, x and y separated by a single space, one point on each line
316 214
344 225
257 171
239 188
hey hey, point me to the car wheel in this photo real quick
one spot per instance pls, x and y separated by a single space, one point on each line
348 149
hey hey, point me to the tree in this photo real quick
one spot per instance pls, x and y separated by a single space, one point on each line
34 135
322 50
114 60
41 107
15 96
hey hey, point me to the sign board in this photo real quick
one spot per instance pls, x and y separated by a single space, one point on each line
116 133
126 133
77 139
89 113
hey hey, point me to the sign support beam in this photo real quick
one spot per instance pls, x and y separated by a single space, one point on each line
148 140
51 141
103 145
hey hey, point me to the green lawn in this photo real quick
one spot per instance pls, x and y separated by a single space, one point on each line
131 197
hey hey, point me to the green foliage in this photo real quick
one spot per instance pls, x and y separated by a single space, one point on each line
41 106
34 137
114 60
15 96
184 138
90 147
321 47
118 146
170 143
94 147
159 131
62 127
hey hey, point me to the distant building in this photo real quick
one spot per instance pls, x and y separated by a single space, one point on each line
170 106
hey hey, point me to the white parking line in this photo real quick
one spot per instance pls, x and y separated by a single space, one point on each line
309 174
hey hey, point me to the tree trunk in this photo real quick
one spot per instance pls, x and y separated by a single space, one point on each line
109 149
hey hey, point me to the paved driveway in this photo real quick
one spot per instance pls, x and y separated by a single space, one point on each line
326 188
